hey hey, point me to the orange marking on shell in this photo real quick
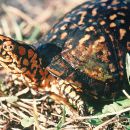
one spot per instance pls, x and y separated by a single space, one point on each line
122 21
63 35
63 27
103 4
83 14
91 28
115 2
22 50
90 20
85 6
121 13
73 26
85 38
104 0
112 17
67 19
102 22
112 25
112 68
122 33
33 60
30 53
111 37
94 12
125 7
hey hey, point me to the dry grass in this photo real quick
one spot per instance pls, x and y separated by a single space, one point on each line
22 107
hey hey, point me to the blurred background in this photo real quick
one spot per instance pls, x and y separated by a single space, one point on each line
29 19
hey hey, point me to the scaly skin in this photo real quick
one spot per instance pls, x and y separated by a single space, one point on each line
22 60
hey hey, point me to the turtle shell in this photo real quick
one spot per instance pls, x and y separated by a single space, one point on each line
88 45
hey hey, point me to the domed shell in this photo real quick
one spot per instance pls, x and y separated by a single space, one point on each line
88 45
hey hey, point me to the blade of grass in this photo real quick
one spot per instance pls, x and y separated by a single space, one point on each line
5 27
17 30
62 121
35 33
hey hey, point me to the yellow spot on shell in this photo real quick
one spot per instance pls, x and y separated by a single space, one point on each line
104 0
90 20
86 37
102 22
63 27
94 12
89 28
103 4
100 40
73 26
83 14
67 19
122 33
112 25
91 6
63 35
112 17
85 6
121 13
115 2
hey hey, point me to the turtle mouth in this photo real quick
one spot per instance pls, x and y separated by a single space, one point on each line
6 59
5 62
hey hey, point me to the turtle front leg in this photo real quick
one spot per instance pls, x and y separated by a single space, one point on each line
73 96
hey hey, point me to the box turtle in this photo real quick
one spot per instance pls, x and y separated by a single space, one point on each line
85 55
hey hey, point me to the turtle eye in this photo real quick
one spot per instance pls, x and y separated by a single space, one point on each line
8 46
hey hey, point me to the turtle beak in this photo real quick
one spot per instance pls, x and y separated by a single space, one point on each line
6 46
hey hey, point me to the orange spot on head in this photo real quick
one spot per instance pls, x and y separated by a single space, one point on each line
8 43
30 53
4 38
22 50
25 62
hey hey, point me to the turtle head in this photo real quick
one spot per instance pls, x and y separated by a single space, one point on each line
19 58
